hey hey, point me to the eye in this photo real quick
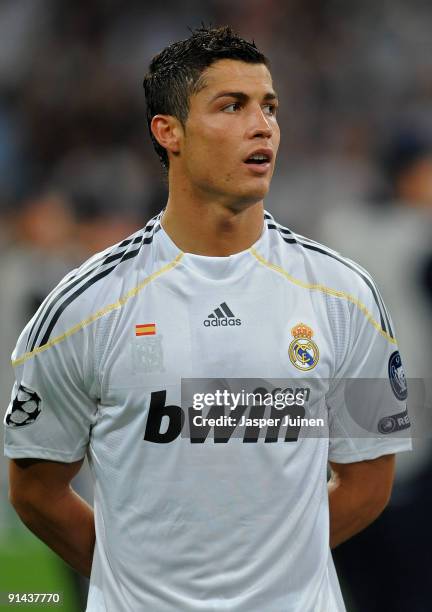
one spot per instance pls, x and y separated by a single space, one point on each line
232 108
270 109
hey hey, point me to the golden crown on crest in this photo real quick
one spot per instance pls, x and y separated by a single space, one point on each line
301 330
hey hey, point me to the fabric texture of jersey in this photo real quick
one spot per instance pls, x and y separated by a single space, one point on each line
235 526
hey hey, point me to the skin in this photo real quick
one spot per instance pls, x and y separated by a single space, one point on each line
41 494
215 204
215 208
358 493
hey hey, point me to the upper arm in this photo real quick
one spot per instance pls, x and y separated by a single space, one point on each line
367 397
54 400
32 479
372 478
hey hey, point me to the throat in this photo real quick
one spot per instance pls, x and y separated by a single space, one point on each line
214 233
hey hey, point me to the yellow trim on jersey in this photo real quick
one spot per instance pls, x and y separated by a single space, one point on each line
100 313
327 290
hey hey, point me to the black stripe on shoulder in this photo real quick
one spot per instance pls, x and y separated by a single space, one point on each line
76 281
65 287
384 320
283 230
363 273
73 296
365 279
110 258
55 317
391 332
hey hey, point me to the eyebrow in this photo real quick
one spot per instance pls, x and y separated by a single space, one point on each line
242 97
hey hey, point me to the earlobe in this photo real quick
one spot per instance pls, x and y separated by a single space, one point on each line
167 131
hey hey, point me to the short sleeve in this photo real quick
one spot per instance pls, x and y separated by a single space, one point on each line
53 405
366 401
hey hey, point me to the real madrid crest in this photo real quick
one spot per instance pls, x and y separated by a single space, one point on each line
303 352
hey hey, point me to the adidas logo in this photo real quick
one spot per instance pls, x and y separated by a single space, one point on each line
222 316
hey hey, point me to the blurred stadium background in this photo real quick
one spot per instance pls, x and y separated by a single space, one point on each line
78 173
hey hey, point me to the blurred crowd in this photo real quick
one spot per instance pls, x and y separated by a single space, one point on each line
78 172
72 107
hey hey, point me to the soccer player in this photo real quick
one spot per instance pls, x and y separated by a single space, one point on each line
212 288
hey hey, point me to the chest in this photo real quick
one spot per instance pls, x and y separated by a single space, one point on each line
170 345
255 331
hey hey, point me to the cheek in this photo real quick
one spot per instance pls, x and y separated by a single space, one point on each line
209 152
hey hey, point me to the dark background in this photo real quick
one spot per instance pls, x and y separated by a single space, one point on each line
78 173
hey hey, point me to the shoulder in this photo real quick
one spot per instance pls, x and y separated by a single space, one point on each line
320 261
88 292
326 271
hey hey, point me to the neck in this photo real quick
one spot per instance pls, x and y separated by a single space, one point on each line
205 226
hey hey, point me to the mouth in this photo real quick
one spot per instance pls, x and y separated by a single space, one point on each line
259 161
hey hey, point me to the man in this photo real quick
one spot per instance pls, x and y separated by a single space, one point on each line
211 288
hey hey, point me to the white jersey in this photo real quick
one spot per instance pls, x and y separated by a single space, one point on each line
242 525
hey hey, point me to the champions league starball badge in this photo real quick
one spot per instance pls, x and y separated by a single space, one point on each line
25 408
303 352
397 376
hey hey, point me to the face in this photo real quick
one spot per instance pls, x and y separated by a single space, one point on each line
231 119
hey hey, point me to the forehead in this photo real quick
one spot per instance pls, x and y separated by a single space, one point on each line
235 75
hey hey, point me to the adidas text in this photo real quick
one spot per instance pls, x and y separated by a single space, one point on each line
221 322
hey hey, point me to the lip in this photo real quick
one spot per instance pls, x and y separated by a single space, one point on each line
260 168
262 151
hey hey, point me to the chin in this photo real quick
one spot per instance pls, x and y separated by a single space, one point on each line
255 194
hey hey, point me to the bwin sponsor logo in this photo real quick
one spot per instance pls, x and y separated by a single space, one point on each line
222 316
242 420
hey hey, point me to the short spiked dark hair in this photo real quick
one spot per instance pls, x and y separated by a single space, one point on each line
175 73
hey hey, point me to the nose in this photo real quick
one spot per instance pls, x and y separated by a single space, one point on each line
260 126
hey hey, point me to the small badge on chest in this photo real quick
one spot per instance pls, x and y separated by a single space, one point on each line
303 351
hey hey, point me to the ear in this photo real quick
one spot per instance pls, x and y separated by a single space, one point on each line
168 132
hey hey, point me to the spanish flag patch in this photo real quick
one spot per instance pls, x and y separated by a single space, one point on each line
149 329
